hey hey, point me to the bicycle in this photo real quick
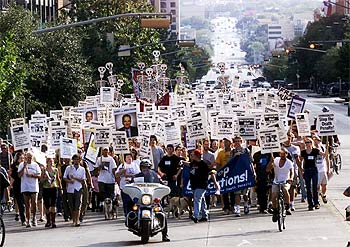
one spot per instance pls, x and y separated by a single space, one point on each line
281 209
335 158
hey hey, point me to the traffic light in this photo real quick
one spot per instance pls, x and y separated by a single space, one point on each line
315 46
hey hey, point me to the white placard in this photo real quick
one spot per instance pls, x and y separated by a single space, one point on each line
326 124
68 147
172 133
247 127
92 151
296 106
269 140
196 126
303 125
37 127
102 136
107 95
145 150
56 115
37 140
119 142
225 126
20 137
55 136
17 122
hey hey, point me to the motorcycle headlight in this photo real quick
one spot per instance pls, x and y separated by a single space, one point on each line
146 199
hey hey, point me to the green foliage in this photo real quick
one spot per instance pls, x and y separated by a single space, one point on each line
276 69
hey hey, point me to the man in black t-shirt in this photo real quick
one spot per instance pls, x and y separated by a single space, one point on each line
169 169
199 171
310 172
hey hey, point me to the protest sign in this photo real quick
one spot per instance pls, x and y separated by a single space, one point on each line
247 127
92 151
68 147
285 94
172 132
37 127
271 118
17 122
145 150
326 124
196 126
225 126
119 142
102 136
106 95
56 115
55 135
296 106
236 175
282 131
20 137
303 126
125 119
37 140
269 140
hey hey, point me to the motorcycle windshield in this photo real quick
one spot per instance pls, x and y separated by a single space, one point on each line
153 189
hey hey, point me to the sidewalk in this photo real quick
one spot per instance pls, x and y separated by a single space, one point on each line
340 182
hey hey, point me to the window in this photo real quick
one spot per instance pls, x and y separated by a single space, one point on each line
173 27
163 5
173 12
173 5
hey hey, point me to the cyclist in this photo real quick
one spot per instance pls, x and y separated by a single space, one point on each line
284 172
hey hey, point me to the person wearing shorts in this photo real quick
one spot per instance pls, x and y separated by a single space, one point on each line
284 173
30 172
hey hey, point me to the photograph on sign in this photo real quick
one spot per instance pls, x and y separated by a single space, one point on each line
90 113
37 127
56 115
296 106
326 124
126 120
37 140
303 125
225 126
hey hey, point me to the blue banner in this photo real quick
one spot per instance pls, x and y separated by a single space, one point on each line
236 175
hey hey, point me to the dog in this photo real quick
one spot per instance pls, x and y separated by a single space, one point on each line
179 205
110 209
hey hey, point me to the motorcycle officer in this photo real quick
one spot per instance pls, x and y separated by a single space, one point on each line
151 176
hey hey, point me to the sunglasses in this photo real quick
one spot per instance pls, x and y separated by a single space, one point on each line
307 142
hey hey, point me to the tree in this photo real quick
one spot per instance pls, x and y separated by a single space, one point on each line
12 75
276 69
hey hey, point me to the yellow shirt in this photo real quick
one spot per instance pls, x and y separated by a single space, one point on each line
222 159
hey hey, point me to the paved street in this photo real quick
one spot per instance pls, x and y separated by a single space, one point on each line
325 227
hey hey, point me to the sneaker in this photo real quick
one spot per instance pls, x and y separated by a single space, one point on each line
226 211
53 226
317 206
59 214
24 223
237 211
48 224
34 222
195 220
292 208
28 225
274 216
246 209
41 220
311 209
288 212
302 200
17 217
165 239
324 199
203 220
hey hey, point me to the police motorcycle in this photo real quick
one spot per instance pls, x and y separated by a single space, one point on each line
147 217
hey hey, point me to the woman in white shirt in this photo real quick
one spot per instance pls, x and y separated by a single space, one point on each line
125 173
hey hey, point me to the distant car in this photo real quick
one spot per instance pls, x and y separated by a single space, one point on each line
232 66
265 84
